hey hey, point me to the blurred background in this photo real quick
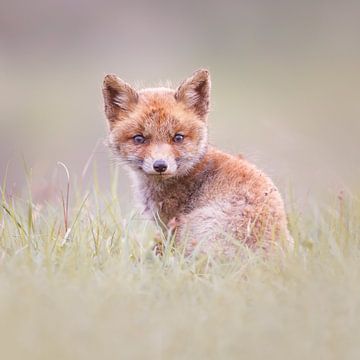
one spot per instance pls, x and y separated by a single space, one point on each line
285 75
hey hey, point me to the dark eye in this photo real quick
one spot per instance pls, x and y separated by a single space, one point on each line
178 138
139 139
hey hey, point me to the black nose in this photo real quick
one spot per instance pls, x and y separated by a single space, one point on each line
160 166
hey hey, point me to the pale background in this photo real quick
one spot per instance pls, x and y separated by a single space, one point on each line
285 74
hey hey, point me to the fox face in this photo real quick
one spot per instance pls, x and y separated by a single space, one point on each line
159 132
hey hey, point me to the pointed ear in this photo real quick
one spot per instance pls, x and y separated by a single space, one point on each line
119 98
194 92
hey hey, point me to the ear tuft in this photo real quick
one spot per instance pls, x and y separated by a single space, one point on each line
194 92
119 97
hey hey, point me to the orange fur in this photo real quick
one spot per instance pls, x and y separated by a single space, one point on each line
212 200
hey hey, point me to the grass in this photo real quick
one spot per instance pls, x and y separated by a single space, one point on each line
79 280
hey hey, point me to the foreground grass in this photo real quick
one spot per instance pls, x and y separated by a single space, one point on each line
81 281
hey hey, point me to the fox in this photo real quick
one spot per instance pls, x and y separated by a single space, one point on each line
211 201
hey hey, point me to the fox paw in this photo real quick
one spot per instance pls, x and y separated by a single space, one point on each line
158 248
173 224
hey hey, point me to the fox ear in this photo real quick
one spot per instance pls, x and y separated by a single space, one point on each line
119 98
194 92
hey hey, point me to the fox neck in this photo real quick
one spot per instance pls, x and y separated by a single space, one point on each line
165 199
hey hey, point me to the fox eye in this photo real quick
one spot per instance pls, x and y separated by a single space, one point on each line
178 138
138 139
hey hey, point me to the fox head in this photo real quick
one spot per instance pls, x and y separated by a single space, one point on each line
158 131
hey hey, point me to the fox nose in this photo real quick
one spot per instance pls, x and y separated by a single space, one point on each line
160 166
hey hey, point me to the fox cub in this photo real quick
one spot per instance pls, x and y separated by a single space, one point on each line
211 200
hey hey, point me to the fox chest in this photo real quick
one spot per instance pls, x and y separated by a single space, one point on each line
165 204
163 207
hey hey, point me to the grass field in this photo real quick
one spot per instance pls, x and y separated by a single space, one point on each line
79 279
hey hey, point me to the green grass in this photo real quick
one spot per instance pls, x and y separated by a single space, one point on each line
79 279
